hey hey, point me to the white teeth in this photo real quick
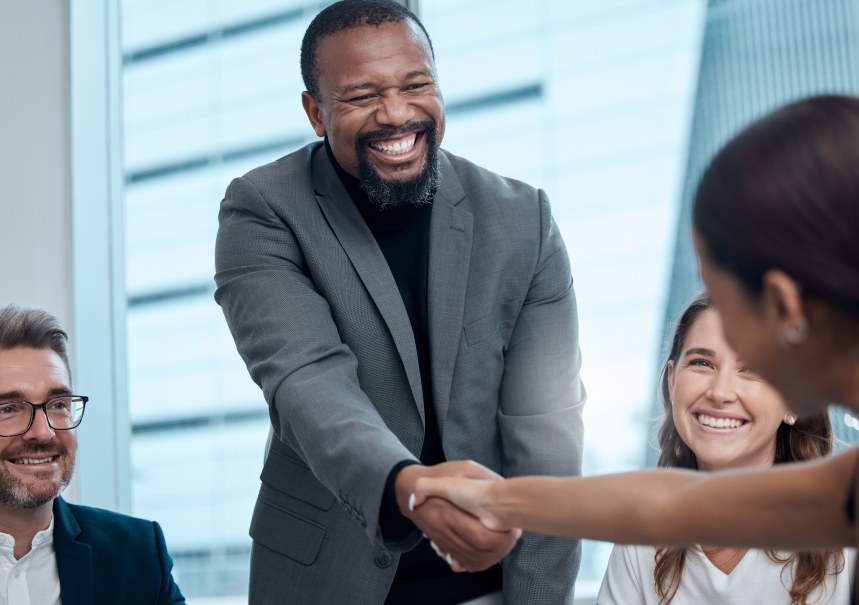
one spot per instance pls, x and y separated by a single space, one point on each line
398 148
719 423
34 460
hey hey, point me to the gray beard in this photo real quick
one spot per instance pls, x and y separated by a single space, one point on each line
15 494
396 194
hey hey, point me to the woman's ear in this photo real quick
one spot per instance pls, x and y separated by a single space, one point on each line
783 306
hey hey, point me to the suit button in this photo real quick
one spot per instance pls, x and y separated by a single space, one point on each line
383 559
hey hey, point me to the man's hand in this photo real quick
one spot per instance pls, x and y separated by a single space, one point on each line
458 535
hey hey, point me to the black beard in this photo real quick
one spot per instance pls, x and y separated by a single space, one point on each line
396 194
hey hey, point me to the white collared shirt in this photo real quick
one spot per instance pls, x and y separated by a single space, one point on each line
32 579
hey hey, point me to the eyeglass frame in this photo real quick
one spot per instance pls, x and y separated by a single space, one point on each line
44 407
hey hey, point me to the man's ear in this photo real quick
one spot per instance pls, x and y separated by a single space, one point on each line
314 113
782 300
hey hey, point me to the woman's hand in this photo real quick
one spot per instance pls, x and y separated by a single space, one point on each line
471 495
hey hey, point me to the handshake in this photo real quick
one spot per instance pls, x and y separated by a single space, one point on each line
448 503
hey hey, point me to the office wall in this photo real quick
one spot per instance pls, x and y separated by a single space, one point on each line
35 232
56 254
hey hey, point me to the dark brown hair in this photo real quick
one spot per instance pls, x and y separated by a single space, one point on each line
784 194
33 328
810 437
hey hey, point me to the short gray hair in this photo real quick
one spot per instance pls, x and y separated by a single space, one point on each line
35 329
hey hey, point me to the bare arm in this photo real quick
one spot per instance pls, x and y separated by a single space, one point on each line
791 506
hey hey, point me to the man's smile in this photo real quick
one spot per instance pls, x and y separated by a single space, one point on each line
32 461
395 146
396 151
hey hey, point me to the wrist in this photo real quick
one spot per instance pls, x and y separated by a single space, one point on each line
404 485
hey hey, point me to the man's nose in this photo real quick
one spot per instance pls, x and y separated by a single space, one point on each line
40 430
394 110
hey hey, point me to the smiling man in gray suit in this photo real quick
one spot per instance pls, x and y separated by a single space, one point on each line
404 312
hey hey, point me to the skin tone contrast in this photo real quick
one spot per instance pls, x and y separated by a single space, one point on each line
665 506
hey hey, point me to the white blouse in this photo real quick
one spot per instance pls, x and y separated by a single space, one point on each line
756 580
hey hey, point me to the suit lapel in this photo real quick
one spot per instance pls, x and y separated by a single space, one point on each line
450 255
369 262
74 559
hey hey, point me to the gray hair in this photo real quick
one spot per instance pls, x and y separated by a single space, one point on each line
33 328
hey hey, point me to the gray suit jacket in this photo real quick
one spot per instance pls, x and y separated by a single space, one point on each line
318 319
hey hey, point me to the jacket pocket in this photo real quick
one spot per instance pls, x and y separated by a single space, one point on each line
285 532
285 473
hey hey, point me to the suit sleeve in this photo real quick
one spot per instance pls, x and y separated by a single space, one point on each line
284 330
169 593
540 414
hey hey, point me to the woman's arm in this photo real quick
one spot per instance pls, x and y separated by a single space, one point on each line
791 506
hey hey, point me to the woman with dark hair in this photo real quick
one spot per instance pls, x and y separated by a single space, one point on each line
718 414
776 227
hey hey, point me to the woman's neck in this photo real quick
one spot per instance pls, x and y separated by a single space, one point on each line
725 559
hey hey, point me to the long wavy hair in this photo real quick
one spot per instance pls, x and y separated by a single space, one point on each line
810 437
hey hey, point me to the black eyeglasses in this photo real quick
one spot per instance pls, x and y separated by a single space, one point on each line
63 413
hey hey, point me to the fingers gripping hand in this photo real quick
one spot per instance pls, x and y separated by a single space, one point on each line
461 536
458 536
470 495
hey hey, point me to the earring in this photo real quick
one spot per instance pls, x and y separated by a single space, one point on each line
793 335
790 419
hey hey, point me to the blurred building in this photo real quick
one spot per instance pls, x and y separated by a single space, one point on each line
758 55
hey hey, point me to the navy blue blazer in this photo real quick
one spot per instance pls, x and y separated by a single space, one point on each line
104 558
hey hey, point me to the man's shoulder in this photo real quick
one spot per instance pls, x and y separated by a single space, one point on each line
101 521
294 163
475 178
493 196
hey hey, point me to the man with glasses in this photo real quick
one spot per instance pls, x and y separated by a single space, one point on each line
52 551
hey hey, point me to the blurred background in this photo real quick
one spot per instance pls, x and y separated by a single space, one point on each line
128 118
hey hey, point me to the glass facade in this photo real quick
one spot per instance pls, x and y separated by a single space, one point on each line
757 55
210 90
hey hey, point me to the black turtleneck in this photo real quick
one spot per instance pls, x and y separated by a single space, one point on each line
402 234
